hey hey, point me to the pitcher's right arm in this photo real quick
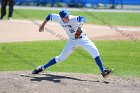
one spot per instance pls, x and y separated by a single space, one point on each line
50 17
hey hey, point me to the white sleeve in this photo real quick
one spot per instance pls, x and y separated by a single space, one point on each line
74 20
55 17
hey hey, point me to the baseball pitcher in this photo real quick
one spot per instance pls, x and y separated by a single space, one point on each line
73 25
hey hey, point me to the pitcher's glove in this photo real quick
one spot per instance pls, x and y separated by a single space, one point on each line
78 33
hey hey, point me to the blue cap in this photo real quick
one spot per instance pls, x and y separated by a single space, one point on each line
64 13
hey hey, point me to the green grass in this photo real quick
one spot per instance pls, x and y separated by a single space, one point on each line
101 18
123 56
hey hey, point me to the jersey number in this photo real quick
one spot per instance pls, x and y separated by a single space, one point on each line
71 30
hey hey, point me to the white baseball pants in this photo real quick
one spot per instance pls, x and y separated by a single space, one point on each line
71 45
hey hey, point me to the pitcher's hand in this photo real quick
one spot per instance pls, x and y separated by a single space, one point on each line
41 28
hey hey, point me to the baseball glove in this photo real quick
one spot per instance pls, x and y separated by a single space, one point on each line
78 33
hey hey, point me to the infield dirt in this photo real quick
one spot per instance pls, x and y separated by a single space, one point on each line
24 30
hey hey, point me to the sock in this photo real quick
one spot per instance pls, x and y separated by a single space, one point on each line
99 63
50 63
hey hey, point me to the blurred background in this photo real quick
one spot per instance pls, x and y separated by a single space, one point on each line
95 4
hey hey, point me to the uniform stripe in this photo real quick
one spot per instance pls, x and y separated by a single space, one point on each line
48 17
81 19
51 16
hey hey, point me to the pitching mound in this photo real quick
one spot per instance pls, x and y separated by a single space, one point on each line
24 82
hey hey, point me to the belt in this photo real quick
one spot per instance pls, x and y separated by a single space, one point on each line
80 37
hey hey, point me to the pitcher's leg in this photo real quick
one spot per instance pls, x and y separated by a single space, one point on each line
90 47
99 63
64 54
69 48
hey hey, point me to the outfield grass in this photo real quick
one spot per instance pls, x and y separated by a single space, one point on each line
101 18
123 56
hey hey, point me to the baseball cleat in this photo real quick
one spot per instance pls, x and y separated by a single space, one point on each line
106 73
37 70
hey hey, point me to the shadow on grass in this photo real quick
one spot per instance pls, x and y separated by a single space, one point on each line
58 78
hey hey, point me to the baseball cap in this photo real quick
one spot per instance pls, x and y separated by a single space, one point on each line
64 13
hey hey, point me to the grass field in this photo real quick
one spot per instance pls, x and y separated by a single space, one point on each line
123 56
101 18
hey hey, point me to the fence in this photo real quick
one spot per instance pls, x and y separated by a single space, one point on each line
77 2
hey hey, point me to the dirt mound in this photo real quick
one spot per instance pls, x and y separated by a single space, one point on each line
24 82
